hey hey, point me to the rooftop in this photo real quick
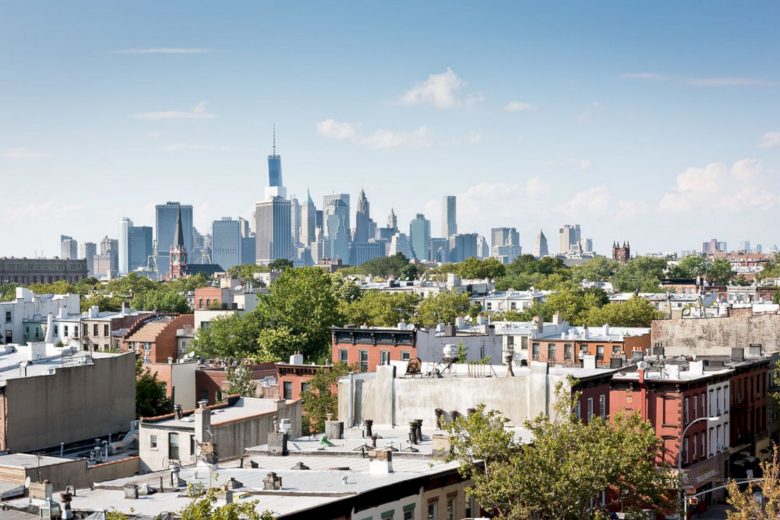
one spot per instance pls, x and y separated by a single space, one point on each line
15 360
243 408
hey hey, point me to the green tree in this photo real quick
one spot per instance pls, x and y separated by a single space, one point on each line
345 288
689 267
569 463
719 272
281 264
246 272
380 309
443 307
474 268
320 398
240 382
743 501
163 299
234 336
636 312
150 398
280 342
643 274
389 266
572 302
302 302
598 269
205 507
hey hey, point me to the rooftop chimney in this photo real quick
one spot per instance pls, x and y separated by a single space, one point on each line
380 462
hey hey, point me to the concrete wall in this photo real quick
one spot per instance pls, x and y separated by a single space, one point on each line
72 472
389 400
700 336
429 346
73 404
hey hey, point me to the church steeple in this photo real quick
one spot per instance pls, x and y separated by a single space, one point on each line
178 250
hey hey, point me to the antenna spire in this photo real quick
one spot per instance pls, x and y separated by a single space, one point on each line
274 139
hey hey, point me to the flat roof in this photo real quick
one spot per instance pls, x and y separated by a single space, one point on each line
244 408
28 460
54 358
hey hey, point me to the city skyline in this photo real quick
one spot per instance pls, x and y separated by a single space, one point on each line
655 141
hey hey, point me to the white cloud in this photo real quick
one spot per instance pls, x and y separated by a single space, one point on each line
166 50
591 111
536 188
629 209
770 140
718 187
517 106
591 201
382 139
40 210
154 134
22 153
443 91
199 112
333 129
185 147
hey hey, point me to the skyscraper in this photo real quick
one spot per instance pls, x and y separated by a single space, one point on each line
505 244
463 246
139 246
327 199
540 247
569 238
308 220
295 219
275 167
273 238
226 242
449 222
69 248
362 219
123 255
88 250
392 221
420 237
337 230
165 227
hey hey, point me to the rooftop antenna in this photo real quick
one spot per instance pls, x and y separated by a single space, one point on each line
274 139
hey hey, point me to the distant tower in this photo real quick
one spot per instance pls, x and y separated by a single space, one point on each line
621 253
449 221
178 251
392 220
540 248
274 166
362 218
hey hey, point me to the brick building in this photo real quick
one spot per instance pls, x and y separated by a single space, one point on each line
211 380
41 270
104 330
611 346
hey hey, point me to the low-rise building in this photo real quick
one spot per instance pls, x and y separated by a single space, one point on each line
226 428
28 308
41 270
50 395
369 347
104 330
611 346
510 300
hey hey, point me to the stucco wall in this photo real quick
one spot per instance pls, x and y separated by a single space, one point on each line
700 336
389 400
73 404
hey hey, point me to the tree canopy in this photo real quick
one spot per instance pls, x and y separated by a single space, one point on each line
571 461
150 398
320 397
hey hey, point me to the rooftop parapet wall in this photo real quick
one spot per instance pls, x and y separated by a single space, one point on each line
701 336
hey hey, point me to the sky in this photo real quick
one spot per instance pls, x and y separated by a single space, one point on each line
656 123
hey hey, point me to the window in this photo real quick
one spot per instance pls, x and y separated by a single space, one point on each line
717 412
75 331
452 507
523 342
304 387
387 515
409 512
720 438
703 448
364 360
615 350
703 404
685 450
8 316
695 407
686 415
712 404
710 443
535 352
105 329
695 450
287 390
603 405
599 352
406 356
153 442
433 511
567 352
344 356
578 410
590 408
384 357
55 330
64 330
551 352
94 329
192 445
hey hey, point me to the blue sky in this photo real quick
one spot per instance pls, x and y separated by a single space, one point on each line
657 123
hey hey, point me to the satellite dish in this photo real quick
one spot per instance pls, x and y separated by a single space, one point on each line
641 365
27 482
